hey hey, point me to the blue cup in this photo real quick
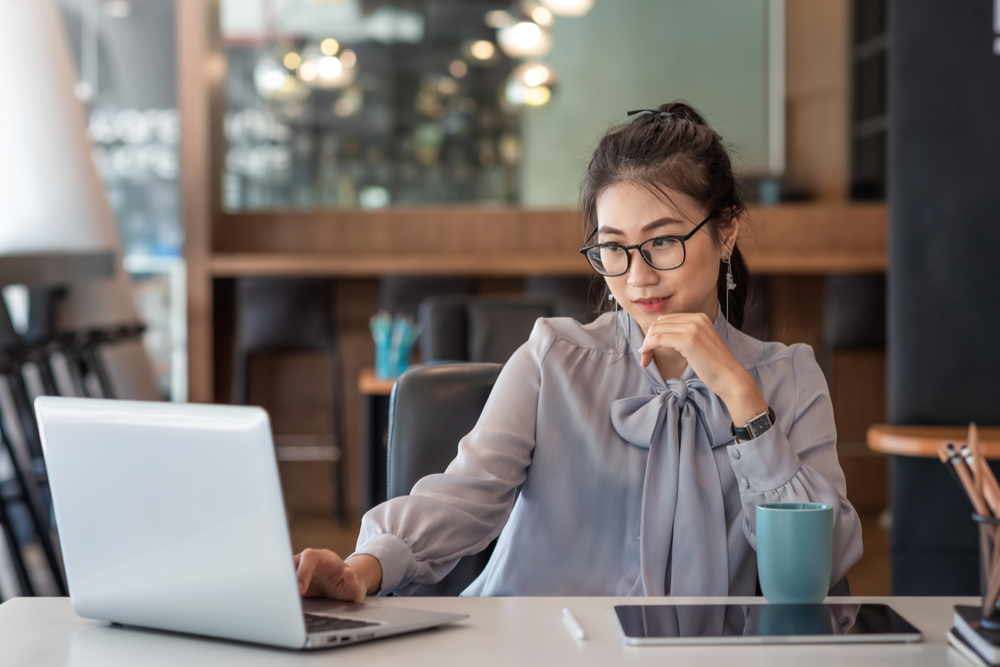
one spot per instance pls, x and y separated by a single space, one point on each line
794 551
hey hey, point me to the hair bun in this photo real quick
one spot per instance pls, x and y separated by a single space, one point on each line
682 111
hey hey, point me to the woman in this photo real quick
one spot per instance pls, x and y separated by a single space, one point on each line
620 432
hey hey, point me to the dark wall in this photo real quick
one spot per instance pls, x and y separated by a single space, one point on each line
944 211
944 309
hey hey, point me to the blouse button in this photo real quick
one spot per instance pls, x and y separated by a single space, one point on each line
735 453
745 484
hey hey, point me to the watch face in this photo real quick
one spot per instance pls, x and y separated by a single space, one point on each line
759 424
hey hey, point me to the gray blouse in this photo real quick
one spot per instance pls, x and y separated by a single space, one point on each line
630 485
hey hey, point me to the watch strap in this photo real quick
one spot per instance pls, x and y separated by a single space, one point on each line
749 431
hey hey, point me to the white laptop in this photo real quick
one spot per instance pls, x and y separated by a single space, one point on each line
170 516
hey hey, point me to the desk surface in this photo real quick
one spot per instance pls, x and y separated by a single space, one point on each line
368 383
500 631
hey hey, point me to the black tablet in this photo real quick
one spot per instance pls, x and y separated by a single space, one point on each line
763 624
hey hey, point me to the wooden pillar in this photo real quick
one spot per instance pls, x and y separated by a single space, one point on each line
817 84
201 67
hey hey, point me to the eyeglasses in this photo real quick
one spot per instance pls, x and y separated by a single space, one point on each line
663 253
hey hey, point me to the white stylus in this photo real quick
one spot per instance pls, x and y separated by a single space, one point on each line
574 625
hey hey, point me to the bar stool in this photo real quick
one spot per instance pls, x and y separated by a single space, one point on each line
282 315
30 483
81 348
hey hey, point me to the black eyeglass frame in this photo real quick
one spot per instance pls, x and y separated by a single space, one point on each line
629 248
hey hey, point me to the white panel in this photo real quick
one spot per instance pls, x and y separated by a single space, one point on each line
51 199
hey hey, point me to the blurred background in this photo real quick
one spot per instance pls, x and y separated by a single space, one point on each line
256 179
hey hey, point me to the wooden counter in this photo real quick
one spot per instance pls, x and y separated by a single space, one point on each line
923 441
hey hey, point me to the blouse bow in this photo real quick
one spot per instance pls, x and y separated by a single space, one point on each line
683 521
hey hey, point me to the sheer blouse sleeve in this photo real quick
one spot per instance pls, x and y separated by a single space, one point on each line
419 538
796 460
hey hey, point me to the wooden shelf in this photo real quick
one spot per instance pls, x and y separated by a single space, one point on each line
923 441
313 264
790 239
500 265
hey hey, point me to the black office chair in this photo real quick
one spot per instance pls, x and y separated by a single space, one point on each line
280 315
432 407
854 316
402 295
486 329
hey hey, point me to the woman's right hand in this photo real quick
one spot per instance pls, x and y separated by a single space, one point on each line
322 573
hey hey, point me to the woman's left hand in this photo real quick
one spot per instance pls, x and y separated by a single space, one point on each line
694 337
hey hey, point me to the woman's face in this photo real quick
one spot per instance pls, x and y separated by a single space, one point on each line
630 214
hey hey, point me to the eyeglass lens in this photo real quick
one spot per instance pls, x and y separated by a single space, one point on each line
662 253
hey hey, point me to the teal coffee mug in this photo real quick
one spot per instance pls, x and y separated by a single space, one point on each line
794 551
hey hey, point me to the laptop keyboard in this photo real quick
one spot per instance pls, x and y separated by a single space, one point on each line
317 623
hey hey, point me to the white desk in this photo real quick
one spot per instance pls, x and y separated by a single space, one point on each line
507 632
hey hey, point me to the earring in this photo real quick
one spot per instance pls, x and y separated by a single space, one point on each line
611 297
730 283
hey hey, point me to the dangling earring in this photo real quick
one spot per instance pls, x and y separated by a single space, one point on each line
611 297
730 283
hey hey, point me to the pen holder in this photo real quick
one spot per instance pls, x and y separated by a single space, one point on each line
989 569
394 338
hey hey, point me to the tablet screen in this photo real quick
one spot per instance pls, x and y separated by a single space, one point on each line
774 623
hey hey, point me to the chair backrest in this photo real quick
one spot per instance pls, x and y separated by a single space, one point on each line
432 407
486 329
278 313
402 295
9 338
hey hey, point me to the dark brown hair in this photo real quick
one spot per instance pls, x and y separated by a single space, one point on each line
673 147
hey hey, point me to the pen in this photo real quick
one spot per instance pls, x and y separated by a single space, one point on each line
990 488
967 482
574 625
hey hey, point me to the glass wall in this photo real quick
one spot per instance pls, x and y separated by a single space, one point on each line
125 53
362 104
375 103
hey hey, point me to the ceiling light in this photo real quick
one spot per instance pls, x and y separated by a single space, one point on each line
537 75
524 40
568 7
447 86
307 71
326 72
329 67
482 50
348 58
537 96
292 60
458 69
498 18
530 84
541 16
329 46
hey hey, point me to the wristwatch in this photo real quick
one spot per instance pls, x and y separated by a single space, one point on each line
755 426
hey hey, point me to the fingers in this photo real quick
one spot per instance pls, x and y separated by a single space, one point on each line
323 573
305 565
676 331
354 589
318 571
